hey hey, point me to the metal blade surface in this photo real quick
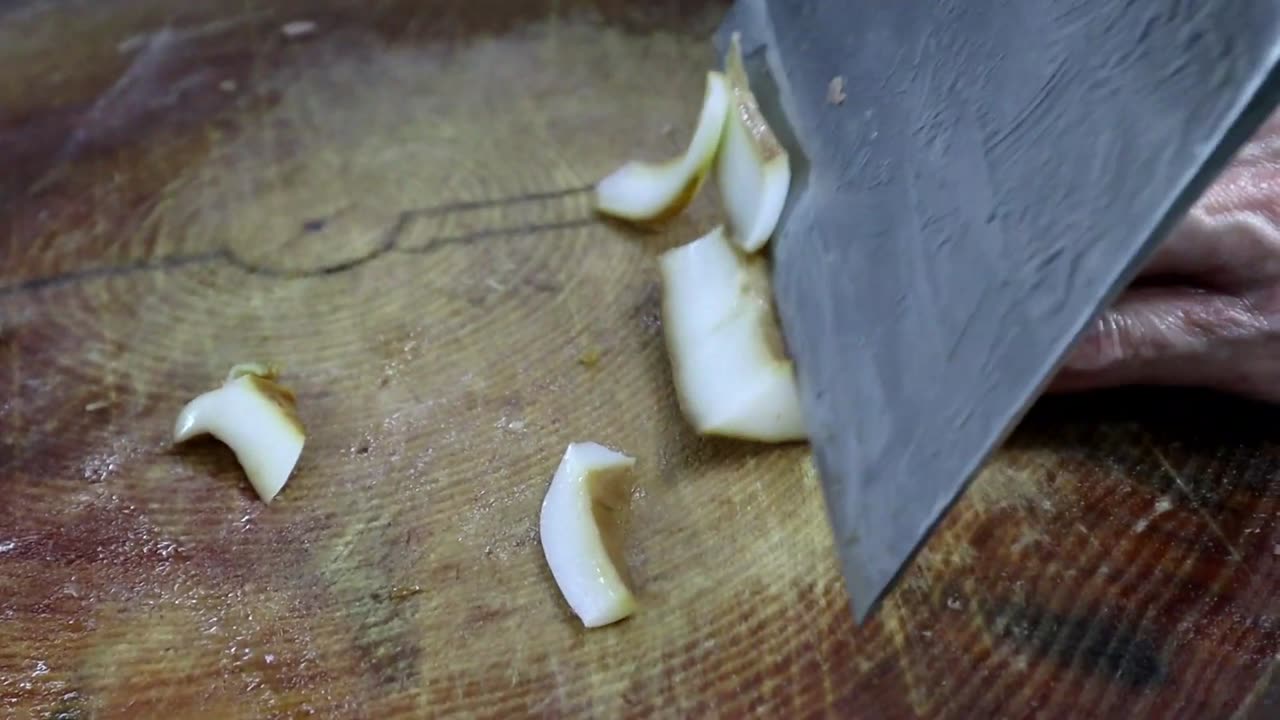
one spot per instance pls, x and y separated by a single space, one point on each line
996 173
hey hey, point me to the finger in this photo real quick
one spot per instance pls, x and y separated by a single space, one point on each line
1231 250
1163 336
1231 236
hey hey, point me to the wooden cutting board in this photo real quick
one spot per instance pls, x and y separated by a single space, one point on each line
391 200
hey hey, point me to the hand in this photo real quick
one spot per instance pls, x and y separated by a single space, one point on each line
1206 310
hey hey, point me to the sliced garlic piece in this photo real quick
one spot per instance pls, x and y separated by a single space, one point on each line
753 171
256 418
732 375
652 192
578 536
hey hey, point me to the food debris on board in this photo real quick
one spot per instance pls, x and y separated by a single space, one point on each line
579 536
257 418
403 592
589 357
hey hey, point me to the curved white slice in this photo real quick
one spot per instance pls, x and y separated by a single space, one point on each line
591 477
732 376
255 417
649 192
753 171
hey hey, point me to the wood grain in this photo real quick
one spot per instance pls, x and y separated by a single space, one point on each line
394 208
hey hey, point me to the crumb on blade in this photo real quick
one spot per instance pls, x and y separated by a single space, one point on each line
835 90
297 28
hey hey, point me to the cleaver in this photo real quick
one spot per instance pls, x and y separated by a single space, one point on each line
997 171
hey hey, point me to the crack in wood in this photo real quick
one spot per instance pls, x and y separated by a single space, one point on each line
390 242
467 238
75 276
463 205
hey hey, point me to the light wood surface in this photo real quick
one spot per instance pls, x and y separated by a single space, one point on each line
394 207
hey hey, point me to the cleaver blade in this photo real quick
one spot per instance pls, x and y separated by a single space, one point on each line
996 173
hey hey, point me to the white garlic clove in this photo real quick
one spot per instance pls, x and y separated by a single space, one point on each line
753 171
732 375
577 536
256 418
652 192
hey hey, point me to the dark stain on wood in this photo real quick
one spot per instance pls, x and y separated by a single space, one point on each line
1095 644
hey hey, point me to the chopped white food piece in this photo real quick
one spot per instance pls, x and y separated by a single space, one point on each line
753 171
578 536
256 418
651 192
732 375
